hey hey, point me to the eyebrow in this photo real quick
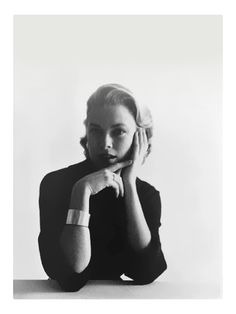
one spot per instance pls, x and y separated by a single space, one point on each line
113 126
94 124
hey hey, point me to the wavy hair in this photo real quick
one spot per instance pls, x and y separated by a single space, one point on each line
114 94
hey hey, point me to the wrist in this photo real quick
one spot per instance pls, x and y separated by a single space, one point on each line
80 196
83 187
130 183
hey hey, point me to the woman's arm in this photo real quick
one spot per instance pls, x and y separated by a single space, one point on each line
139 235
75 239
145 261
65 250
146 264
53 199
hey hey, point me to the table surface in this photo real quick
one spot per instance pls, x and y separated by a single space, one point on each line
104 289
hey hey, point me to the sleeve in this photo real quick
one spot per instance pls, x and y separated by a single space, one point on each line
146 265
53 211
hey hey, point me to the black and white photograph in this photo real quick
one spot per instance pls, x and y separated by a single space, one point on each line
117 157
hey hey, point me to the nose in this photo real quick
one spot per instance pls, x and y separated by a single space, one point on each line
107 143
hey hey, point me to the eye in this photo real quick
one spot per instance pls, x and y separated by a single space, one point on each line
94 131
119 132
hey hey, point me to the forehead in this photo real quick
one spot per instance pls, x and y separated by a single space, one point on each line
108 115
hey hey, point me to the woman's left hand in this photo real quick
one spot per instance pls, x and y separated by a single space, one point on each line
140 147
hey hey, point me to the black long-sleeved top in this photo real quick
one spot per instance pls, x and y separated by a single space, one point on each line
111 255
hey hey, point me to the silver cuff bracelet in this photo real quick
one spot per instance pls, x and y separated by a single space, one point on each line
77 217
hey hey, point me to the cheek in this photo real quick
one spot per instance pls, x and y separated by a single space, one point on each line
92 144
126 144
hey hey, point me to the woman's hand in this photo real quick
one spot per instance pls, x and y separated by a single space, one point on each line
140 147
99 180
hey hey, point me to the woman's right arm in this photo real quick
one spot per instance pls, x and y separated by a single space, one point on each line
65 249
75 239
53 200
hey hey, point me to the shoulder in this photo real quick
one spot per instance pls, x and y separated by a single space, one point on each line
64 175
148 194
150 200
145 189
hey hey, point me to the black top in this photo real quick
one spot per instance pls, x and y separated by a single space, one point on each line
111 255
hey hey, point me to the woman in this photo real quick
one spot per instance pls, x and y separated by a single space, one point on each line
97 219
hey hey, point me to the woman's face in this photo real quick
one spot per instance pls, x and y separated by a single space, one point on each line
110 130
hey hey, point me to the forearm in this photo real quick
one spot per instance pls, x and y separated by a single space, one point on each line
75 239
75 243
144 262
139 235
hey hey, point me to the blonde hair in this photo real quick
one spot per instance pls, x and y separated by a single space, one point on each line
116 94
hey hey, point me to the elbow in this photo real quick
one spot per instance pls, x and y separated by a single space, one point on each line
79 267
74 280
145 280
149 275
142 282
73 283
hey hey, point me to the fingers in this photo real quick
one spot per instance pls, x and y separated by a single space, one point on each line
119 165
119 181
116 182
136 145
115 186
118 172
142 141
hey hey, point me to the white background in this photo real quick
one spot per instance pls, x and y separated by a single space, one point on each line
225 7
172 64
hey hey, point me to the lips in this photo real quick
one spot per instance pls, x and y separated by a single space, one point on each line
107 158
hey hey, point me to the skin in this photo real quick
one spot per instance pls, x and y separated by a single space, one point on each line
110 130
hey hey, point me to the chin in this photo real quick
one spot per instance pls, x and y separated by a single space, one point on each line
100 164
